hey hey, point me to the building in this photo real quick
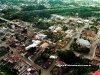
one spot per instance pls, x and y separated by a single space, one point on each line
89 34
40 36
97 50
96 73
44 45
30 31
12 58
60 63
83 42
35 43
70 33
61 43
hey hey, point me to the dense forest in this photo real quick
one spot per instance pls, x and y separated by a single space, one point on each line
31 16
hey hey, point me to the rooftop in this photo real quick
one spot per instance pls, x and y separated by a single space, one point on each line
45 44
96 73
82 41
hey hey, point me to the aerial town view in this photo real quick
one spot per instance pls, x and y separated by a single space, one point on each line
49 37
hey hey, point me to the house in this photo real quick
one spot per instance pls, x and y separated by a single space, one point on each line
53 57
95 61
21 49
45 45
86 21
70 33
12 58
29 71
55 29
88 34
52 28
61 43
96 73
20 66
97 50
47 63
15 59
58 28
60 63
40 36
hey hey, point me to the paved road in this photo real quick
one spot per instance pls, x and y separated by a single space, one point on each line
67 47
44 71
91 54
47 72
94 44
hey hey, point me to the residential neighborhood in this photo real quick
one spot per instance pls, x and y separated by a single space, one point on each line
58 45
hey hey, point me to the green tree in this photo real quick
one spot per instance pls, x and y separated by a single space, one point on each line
67 56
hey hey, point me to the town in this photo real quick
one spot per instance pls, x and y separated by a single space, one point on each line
42 43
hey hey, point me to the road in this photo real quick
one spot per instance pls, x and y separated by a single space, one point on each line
91 54
67 47
43 71
15 52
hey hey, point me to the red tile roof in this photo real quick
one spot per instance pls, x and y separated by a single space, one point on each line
32 71
96 73
21 48
61 63
96 61
45 44
15 58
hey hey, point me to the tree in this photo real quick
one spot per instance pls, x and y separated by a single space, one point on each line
65 28
8 49
67 56
85 50
39 71
45 56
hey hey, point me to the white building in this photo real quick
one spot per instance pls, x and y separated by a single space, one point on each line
35 43
70 33
83 42
40 36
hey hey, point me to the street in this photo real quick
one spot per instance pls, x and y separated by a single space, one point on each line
91 54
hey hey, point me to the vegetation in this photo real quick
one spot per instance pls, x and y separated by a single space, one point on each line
75 70
94 28
69 58
79 48
50 35
43 25
6 69
43 57
33 7
31 16
3 51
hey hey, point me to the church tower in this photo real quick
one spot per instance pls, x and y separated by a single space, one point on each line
30 31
